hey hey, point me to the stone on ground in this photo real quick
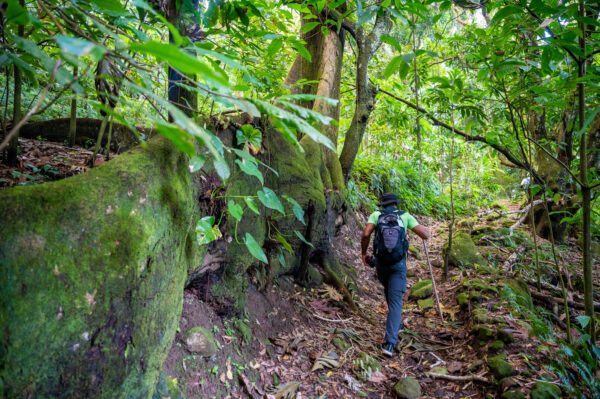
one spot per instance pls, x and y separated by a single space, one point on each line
464 252
545 390
416 251
497 346
513 395
500 367
439 370
407 388
200 340
480 315
505 336
425 304
422 289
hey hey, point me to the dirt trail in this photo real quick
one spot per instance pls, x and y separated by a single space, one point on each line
310 337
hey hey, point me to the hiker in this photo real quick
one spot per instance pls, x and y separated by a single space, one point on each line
390 248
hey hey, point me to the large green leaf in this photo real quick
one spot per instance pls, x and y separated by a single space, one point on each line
197 162
252 205
296 208
304 240
79 47
205 230
392 66
281 239
180 138
254 248
270 199
250 168
181 61
235 210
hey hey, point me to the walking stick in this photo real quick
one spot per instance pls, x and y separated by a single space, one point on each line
437 299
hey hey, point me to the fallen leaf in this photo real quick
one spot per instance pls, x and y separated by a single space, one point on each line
377 377
328 361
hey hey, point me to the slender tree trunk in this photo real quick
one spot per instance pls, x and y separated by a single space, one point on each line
586 192
451 225
73 121
418 123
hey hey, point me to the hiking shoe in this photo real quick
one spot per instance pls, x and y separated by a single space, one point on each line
388 349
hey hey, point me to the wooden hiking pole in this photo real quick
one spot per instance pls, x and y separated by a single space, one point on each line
437 299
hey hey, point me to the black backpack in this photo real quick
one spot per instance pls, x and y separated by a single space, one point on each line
390 244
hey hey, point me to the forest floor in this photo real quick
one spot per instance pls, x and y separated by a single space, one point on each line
308 344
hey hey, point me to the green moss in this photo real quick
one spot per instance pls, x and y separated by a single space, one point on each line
87 264
480 315
500 367
407 388
244 330
425 304
483 332
513 395
464 252
519 291
497 346
422 289
341 343
462 299
545 390
504 336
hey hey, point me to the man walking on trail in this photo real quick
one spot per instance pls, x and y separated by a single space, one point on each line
390 248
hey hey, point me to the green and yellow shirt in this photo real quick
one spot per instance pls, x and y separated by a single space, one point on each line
409 220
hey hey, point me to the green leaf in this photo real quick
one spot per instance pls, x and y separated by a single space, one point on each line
505 12
583 321
299 47
309 97
284 242
366 15
281 257
556 198
392 66
250 168
270 199
391 41
296 208
252 205
274 47
181 61
221 167
79 47
235 210
196 163
590 117
16 13
250 135
254 248
309 26
112 6
179 137
301 237
408 57
205 230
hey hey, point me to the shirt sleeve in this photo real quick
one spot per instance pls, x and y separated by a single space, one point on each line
374 217
411 222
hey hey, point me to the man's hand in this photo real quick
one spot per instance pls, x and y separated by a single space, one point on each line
364 259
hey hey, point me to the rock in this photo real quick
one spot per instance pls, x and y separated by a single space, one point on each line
422 289
483 332
462 299
425 304
340 343
545 390
497 345
514 394
439 370
407 388
410 272
245 331
200 340
519 290
480 315
500 367
415 251
364 365
508 383
504 336
464 252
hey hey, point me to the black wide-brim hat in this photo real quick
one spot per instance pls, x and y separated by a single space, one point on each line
389 199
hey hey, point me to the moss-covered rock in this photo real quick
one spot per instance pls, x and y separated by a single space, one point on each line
199 340
462 299
364 365
545 390
499 367
92 270
514 394
410 272
504 336
464 252
480 315
415 251
439 370
497 346
407 388
425 304
341 343
422 289
483 332
519 291
244 330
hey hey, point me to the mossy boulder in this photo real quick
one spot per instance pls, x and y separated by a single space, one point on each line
425 304
422 289
519 291
462 299
93 269
407 388
199 340
364 365
497 346
244 330
499 367
545 390
411 272
480 315
415 251
514 394
341 343
482 332
505 336
464 252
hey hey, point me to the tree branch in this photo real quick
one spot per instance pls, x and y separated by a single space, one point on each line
504 151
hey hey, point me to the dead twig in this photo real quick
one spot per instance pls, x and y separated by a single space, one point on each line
479 378
331 320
